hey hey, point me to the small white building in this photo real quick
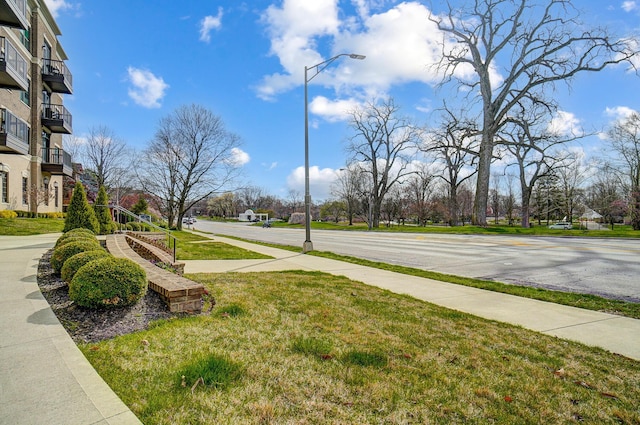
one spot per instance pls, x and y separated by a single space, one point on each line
249 215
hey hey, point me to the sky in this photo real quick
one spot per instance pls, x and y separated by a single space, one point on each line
137 61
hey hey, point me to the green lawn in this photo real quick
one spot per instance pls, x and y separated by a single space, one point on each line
300 347
192 246
30 226
618 232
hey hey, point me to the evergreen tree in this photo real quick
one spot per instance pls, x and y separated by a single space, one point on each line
80 214
141 206
101 209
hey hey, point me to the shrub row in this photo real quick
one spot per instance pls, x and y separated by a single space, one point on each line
96 279
29 214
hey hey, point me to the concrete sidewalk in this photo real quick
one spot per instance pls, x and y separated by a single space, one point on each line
617 334
44 378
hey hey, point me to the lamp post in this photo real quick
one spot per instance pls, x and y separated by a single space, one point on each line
318 68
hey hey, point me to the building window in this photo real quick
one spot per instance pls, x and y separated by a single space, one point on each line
3 183
25 190
55 194
46 194
25 39
24 96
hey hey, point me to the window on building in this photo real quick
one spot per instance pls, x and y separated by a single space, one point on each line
4 177
25 38
46 194
24 96
25 191
55 194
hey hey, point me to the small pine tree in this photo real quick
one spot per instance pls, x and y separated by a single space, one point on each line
80 214
101 209
141 206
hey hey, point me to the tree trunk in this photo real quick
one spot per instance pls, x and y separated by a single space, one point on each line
482 186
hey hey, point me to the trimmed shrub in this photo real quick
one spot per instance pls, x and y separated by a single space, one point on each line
73 263
62 253
80 230
8 214
108 283
102 211
80 213
75 238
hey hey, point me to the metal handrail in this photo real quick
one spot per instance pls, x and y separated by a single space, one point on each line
170 237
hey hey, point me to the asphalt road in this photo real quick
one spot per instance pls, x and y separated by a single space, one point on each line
607 267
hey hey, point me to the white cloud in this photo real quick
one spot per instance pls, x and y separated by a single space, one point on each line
56 6
271 166
400 44
239 157
629 6
147 90
619 113
565 123
337 110
208 24
319 182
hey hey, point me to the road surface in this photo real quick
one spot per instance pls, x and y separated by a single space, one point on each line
606 267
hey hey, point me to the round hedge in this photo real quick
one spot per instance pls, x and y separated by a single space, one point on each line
63 252
74 238
107 283
74 262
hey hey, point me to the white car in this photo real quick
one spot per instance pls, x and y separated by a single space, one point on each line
562 225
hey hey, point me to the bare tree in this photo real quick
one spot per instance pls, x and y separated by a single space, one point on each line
536 148
531 45
453 143
419 190
349 187
294 200
104 153
624 138
189 159
249 197
383 143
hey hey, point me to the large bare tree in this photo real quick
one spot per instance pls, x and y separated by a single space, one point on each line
514 50
383 143
104 153
190 158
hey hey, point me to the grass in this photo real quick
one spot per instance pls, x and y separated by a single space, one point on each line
195 247
321 349
586 301
541 230
30 226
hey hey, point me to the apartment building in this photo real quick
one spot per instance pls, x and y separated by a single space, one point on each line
33 81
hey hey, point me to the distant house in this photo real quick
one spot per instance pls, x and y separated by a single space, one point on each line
590 215
249 215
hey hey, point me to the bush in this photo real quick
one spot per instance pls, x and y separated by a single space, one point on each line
8 214
101 209
80 213
75 233
73 263
107 283
62 253
74 238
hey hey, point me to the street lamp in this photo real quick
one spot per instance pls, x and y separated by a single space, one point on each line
308 245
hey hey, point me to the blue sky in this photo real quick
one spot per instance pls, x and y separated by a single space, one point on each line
136 61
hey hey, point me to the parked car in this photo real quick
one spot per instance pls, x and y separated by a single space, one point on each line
266 224
562 225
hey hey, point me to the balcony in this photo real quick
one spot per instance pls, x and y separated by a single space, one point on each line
56 118
57 76
56 161
14 134
13 67
13 13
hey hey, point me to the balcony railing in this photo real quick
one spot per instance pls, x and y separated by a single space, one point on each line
14 134
13 13
13 67
57 76
56 118
56 161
